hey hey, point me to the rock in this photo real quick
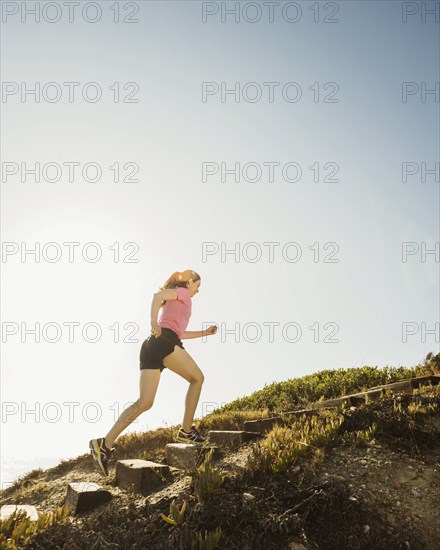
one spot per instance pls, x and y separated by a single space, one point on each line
247 497
261 489
391 519
187 456
141 475
366 529
84 496
296 546
416 493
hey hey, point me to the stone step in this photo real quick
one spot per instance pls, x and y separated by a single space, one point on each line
262 425
134 474
8 509
187 456
410 383
361 397
330 403
401 386
433 379
231 438
83 496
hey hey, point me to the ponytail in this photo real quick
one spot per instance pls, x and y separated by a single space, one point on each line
172 281
179 279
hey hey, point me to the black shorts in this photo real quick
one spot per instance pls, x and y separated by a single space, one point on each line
154 350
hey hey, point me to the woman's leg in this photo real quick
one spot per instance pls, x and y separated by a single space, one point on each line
181 362
148 383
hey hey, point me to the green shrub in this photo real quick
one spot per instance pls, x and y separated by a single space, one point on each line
176 516
360 438
18 529
284 445
207 541
209 480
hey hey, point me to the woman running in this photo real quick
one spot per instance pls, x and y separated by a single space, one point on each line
163 349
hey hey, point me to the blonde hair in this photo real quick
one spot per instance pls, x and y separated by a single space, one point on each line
179 278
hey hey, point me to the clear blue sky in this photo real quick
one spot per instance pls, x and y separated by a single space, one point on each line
171 212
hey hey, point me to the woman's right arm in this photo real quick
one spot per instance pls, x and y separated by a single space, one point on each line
158 297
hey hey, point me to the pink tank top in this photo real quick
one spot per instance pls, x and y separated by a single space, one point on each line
175 314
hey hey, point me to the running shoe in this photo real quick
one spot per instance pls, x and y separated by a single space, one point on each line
193 436
101 454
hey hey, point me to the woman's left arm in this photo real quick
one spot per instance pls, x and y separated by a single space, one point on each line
193 334
199 333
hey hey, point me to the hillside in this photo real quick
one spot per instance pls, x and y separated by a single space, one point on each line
330 475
